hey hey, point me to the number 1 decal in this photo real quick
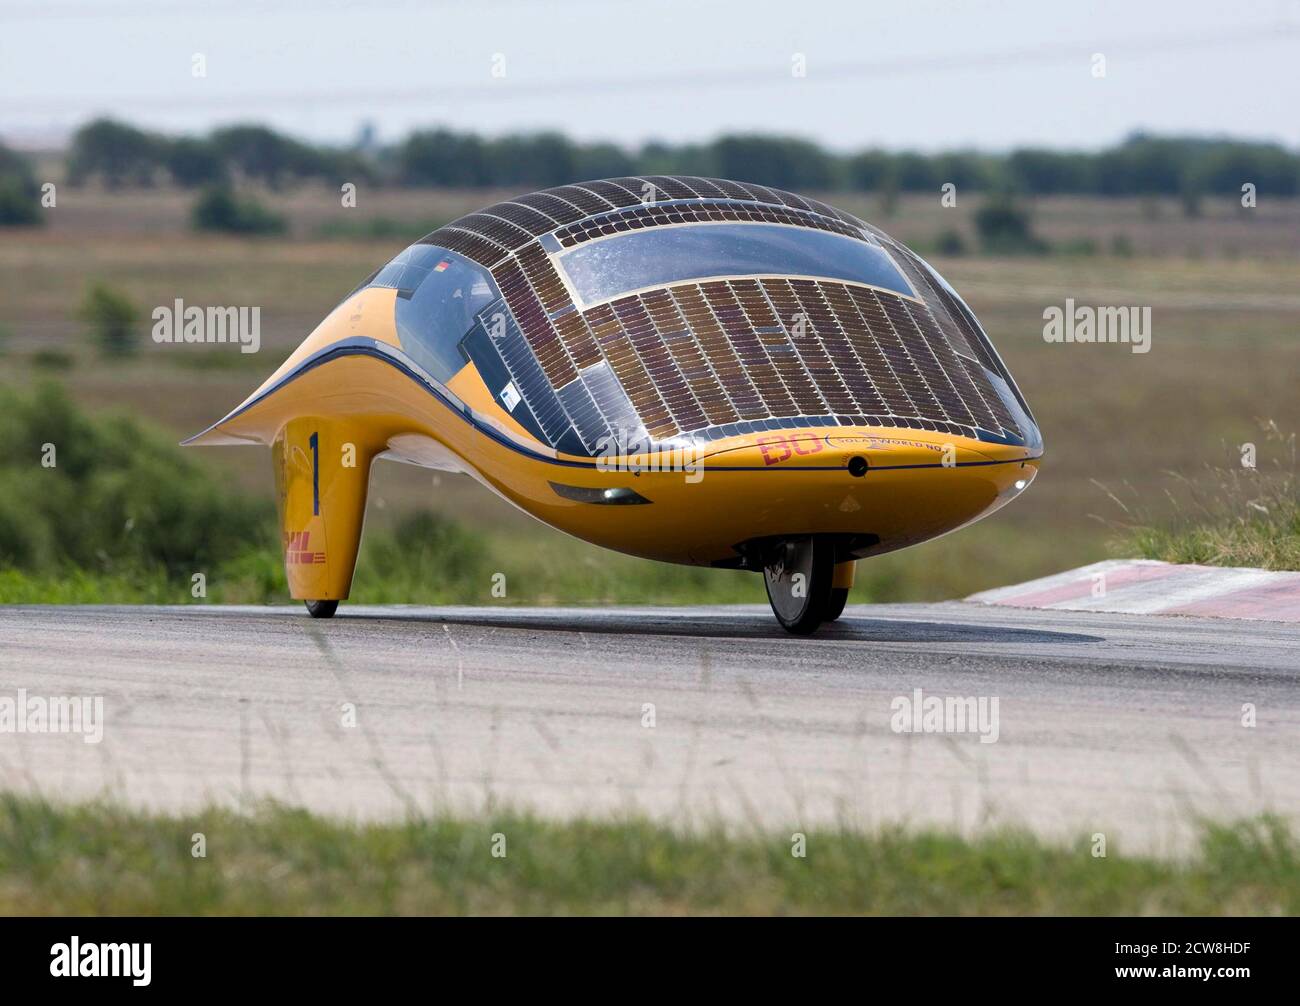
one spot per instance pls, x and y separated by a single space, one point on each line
314 440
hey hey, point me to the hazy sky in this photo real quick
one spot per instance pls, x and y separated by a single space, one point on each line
911 73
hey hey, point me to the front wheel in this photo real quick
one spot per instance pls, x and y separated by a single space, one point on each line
321 609
839 598
798 580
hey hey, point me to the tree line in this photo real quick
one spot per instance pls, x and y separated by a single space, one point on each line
118 154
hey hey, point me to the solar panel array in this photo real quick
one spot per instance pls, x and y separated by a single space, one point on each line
704 360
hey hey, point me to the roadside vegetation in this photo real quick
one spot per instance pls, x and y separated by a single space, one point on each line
1233 515
103 859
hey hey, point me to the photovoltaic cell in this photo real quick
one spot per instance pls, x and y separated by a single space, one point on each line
616 408
719 352
659 364
759 193
468 243
532 221
614 193
705 211
749 349
531 383
631 373
560 210
496 229
790 199
583 198
965 328
704 187
672 187
537 328
583 413
720 357
686 351
732 190
817 338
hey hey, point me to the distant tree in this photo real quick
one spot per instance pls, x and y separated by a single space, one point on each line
220 210
780 161
1048 172
338 166
441 157
541 159
196 162
1143 165
113 319
1158 165
117 153
264 155
657 158
1226 167
871 170
20 196
602 160
1004 227
915 173
950 242
888 197
966 169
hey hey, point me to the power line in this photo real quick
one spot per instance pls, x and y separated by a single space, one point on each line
513 90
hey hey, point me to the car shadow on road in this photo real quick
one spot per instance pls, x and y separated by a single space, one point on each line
849 628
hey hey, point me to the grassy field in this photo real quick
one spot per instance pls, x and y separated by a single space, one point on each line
102 859
1224 289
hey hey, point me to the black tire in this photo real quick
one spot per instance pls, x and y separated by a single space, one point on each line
814 558
321 609
835 608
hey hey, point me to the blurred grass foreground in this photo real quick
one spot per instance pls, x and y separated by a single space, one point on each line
104 859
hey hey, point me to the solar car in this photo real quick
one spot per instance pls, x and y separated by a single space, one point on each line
690 370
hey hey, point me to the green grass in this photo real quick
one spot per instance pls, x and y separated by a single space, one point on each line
1227 516
99 858
1270 542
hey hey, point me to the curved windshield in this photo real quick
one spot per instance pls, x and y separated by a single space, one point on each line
439 297
607 268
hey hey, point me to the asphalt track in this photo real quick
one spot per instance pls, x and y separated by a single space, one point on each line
1126 725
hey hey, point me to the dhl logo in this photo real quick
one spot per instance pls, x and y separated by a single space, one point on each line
296 552
778 449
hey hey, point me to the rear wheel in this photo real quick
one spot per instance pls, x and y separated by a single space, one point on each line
321 609
798 579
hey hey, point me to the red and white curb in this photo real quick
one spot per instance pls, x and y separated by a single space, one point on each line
1149 587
